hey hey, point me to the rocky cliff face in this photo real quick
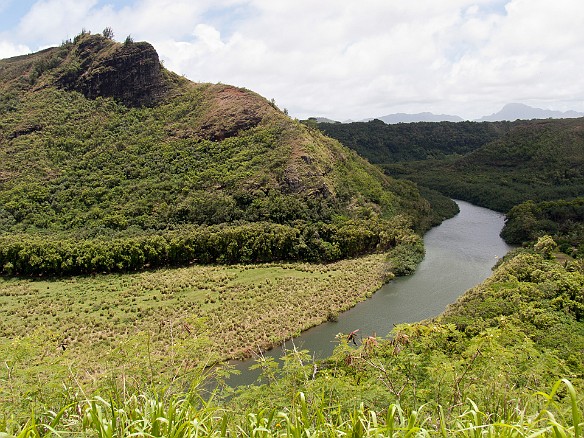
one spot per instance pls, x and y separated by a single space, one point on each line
130 73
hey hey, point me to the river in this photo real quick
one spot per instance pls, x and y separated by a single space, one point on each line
460 253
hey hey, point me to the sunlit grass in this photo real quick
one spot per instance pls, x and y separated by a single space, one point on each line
189 415
243 307
132 331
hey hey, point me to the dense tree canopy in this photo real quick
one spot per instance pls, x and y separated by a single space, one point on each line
84 168
384 143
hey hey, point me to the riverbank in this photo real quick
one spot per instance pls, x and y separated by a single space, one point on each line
503 346
152 327
239 308
459 255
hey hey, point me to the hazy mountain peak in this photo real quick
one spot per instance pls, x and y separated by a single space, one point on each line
419 117
515 111
509 112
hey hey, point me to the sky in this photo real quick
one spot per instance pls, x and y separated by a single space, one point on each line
342 59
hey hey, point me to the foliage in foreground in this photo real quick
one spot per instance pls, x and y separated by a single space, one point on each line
520 331
189 415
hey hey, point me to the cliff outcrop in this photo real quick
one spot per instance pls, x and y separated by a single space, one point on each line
129 72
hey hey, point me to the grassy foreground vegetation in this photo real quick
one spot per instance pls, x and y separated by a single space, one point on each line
159 327
504 361
190 416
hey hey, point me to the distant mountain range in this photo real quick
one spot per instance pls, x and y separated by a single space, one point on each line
511 112
514 111
419 117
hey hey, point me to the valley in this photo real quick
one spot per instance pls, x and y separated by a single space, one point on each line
152 227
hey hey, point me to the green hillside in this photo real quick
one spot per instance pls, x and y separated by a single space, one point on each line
563 220
384 143
103 147
537 160
492 164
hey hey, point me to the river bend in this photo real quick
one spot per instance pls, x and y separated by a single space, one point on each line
460 253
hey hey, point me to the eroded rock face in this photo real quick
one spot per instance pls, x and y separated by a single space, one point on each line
231 110
130 73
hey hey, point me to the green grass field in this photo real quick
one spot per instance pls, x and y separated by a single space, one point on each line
242 306
131 331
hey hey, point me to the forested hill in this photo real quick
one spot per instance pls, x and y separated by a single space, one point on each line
98 140
492 164
537 160
385 143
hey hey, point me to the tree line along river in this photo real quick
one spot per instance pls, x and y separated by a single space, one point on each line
460 253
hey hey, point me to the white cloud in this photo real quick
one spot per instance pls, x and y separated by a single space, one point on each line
347 59
209 37
52 21
8 49
531 55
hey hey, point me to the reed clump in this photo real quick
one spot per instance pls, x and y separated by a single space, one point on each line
190 415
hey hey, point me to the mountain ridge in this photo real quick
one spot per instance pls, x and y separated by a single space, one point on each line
417 117
519 111
510 112
83 158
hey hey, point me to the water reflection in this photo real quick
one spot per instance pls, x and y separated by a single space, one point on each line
459 254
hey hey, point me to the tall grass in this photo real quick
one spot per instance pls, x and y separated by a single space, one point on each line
189 415
89 313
